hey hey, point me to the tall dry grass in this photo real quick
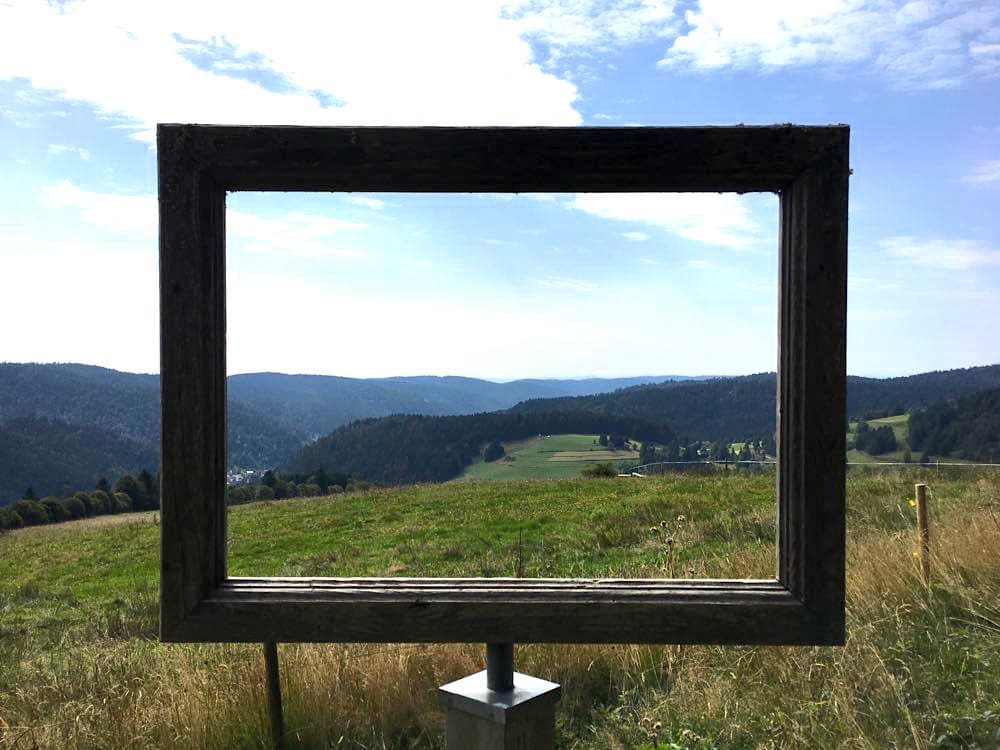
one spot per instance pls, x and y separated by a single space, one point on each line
916 671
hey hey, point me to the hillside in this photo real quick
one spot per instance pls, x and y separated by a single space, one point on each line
313 405
31 447
404 449
547 457
968 427
65 425
395 450
270 416
81 665
740 407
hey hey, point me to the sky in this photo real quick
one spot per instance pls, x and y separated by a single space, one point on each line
500 286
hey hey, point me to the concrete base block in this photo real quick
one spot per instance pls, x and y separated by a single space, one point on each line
478 718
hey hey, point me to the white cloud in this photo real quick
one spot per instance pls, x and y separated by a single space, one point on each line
58 149
566 284
917 43
988 171
600 24
301 234
951 255
636 236
363 200
119 213
713 218
451 62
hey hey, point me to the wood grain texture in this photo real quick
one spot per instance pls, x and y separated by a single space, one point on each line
520 610
741 159
807 166
812 379
192 381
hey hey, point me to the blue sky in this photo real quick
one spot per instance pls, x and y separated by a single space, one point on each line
500 286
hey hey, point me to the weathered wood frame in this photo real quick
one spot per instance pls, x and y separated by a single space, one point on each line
806 166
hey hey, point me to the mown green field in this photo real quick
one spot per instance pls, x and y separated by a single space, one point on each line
80 665
539 458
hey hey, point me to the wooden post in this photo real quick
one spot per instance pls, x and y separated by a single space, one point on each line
273 680
923 534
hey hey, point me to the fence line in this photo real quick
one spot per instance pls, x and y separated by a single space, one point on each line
717 462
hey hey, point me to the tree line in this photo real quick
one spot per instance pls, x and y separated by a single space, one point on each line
275 486
404 449
761 448
142 492
875 440
129 493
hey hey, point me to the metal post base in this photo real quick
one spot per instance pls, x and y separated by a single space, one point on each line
478 718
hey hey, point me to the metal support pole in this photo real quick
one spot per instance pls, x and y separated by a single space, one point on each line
500 666
273 679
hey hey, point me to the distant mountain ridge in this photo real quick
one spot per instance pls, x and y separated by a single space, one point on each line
271 415
399 450
739 407
314 405
80 422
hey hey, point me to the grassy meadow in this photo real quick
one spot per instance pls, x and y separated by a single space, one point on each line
80 665
547 457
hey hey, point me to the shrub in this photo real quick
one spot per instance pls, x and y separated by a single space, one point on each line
604 469
55 508
239 494
150 486
74 507
101 502
493 451
88 504
309 490
32 512
121 503
128 485
10 519
264 492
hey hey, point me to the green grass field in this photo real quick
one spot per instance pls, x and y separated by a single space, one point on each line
80 665
550 457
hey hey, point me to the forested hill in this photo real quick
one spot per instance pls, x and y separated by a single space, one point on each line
968 427
81 422
739 407
403 449
313 405
64 426
113 417
57 458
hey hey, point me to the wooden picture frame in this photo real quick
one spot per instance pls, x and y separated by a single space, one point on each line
806 166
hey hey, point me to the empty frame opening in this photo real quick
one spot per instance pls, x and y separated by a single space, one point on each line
499 385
